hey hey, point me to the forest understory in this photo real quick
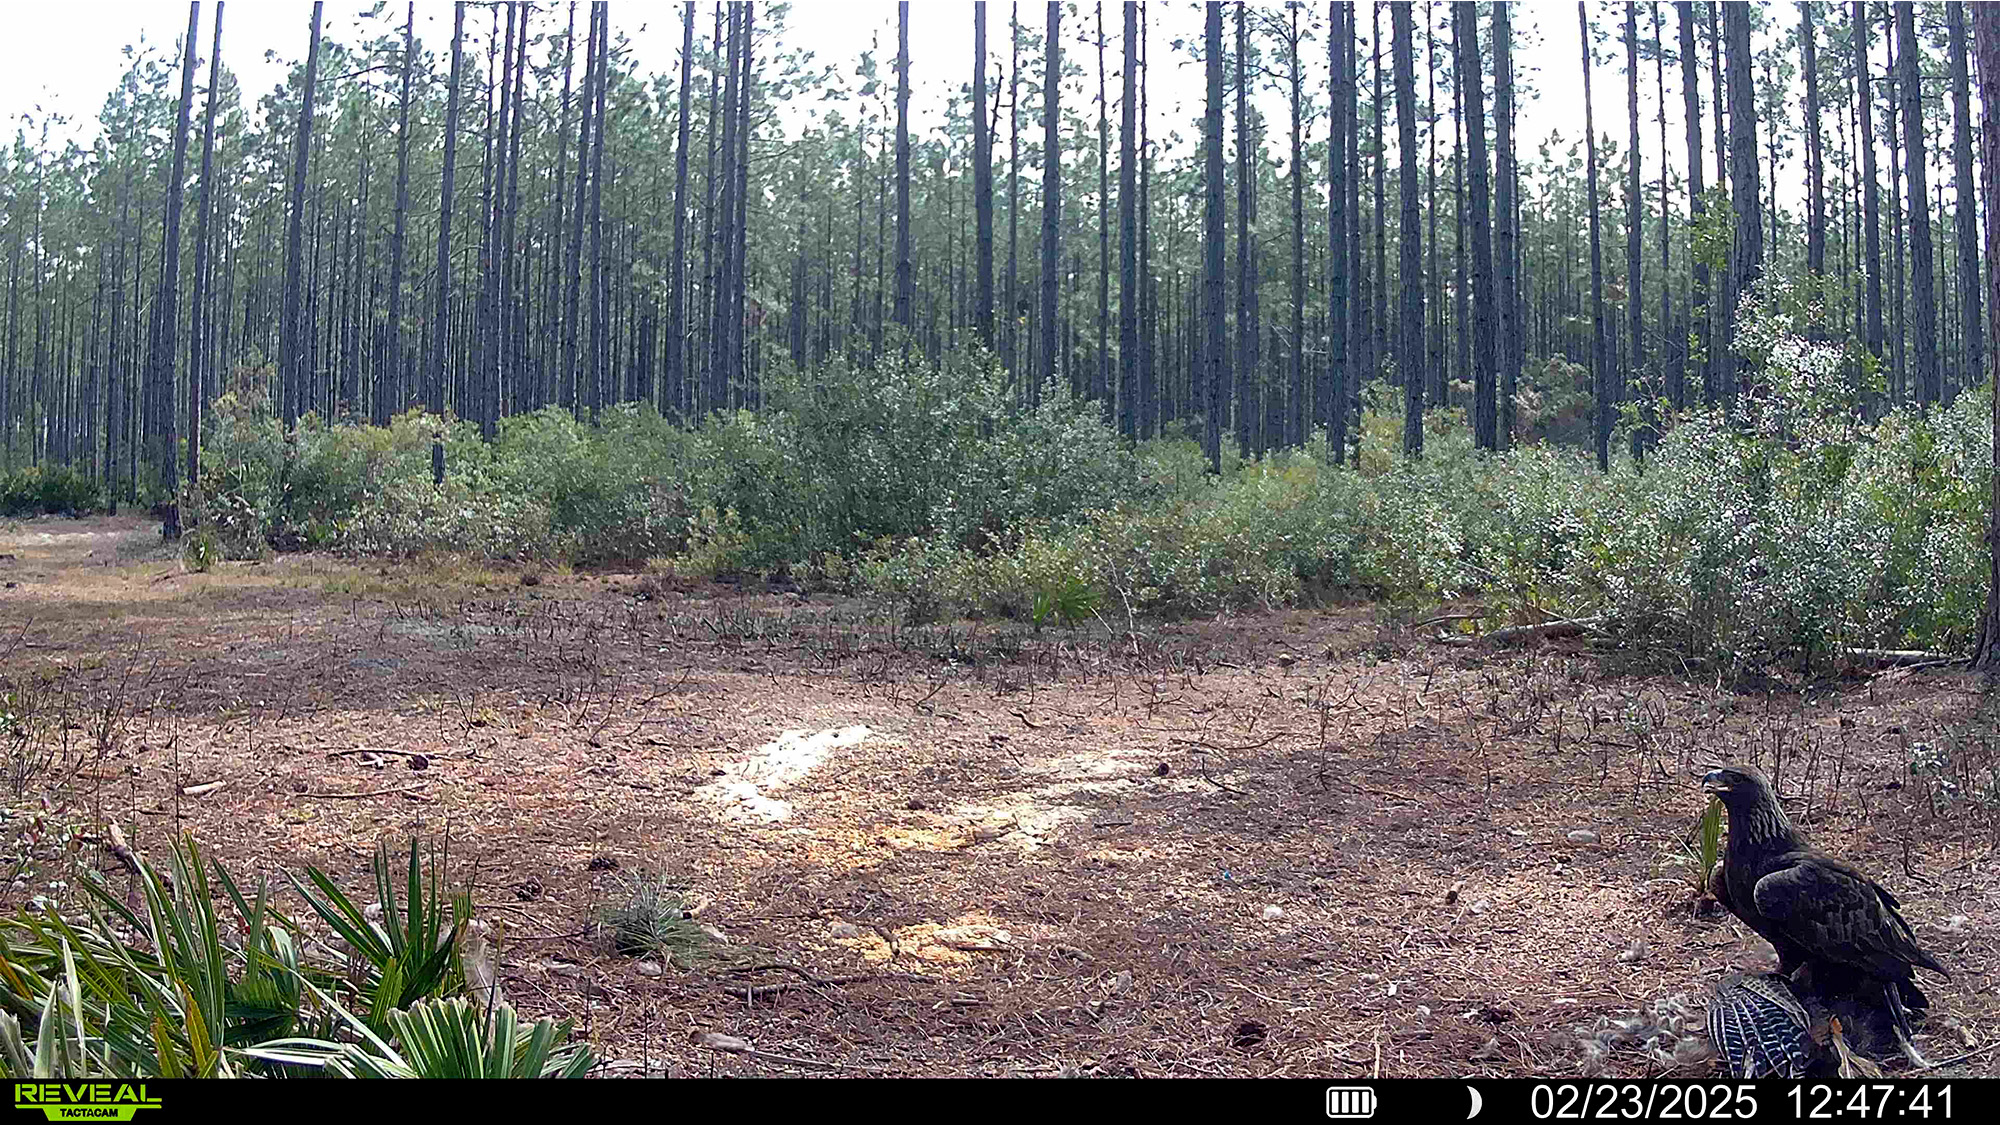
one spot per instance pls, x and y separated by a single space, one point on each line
1296 842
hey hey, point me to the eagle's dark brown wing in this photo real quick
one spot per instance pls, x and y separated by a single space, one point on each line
1837 914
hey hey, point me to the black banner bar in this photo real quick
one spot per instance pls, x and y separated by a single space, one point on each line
1482 1101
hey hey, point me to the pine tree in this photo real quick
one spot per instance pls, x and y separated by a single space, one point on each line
1600 364
1633 375
982 176
1484 409
1871 221
677 301
197 316
1248 337
291 368
1972 357
1214 348
1508 343
1333 396
1410 317
1051 192
1129 298
1986 43
1923 291
166 307
905 279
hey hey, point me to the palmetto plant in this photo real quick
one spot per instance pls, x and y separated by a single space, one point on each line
412 952
1711 844
188 983
451 1038
157 989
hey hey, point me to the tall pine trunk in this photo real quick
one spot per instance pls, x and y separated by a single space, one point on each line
1051 194
1296 428
1508 341
1102 378
677 319
600 352
1972 351
1871 222
1129 298
1746 260
162 360
905 279
1815 151
197 321
1986 44
1248 341
1410 316
1600 365
1923 291
389 389
982 181
1331 402
441 318
1484 409
1698 288
291 367
1633 376
1214 357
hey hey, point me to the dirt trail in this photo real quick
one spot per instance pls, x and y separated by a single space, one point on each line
1288 843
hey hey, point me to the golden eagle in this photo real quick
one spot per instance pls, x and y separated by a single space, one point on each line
1840 939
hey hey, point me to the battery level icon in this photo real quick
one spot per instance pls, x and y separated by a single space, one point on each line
1350 1101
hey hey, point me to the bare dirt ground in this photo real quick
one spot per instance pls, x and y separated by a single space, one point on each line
1296 843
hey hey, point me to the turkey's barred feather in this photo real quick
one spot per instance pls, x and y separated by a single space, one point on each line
1760 1028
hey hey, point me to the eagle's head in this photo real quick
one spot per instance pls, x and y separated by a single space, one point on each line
1738 786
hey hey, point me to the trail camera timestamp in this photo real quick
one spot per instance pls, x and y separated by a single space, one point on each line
1745 1101
1877 1101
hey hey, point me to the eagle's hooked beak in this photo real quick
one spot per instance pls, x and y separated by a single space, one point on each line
1715 782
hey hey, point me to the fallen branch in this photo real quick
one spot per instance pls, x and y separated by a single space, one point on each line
369 793
1204 744
806 980
1547 630
1902 657
730 1044
204 790
377 750
1448 617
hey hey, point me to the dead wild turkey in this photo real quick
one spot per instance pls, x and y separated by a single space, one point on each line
1762 1029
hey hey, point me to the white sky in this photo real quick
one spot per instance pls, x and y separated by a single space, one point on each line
66 57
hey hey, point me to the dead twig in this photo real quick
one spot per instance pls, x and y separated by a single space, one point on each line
1225 787
1955 1059
129 860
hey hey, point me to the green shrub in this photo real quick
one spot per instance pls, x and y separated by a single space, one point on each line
1786 531
49 490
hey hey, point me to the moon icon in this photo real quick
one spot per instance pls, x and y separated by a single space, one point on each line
1478 1102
